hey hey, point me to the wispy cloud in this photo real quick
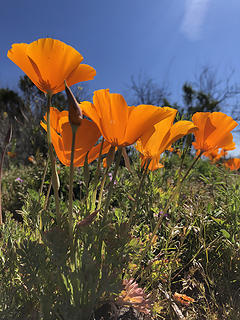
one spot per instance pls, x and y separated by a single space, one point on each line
195 11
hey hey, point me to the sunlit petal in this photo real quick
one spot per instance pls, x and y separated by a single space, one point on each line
232 164
213 131
87 136
118 123
48 62
143 117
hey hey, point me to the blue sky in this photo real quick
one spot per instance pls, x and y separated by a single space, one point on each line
168 40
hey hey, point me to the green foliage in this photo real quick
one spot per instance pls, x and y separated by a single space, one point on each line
38 261
47 273
199 101
16 182
12 104
70 250
198 247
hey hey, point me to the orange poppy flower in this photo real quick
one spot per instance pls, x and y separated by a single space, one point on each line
154 163
156 140
232 164
120 124
87 136
213 155
48 62
213 131
216 154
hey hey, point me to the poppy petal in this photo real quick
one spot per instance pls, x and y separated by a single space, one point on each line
83 72
19 56
112 110
142 117
179 130
153 141
93 154
223 125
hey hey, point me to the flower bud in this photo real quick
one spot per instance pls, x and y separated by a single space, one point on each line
75 113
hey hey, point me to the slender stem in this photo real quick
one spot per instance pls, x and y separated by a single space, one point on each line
70 204
99 157
192 165
179 180
113 180
102 188
40 195
156 227
181 164
1 171
171 198
145 171
47 195
96 178
110 159
44 176
55 179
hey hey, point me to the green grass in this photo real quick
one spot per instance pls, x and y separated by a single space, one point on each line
196 250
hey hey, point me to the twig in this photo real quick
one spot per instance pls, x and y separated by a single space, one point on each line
174 306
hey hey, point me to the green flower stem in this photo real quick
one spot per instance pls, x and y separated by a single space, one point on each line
171 198
43 178
110 158
70 204
1 172
47 195
145 171
94 196
113 179
180 181
55 179
181 164
40 194
102 188
192 165
99 157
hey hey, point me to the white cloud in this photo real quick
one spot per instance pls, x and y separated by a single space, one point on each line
195 11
